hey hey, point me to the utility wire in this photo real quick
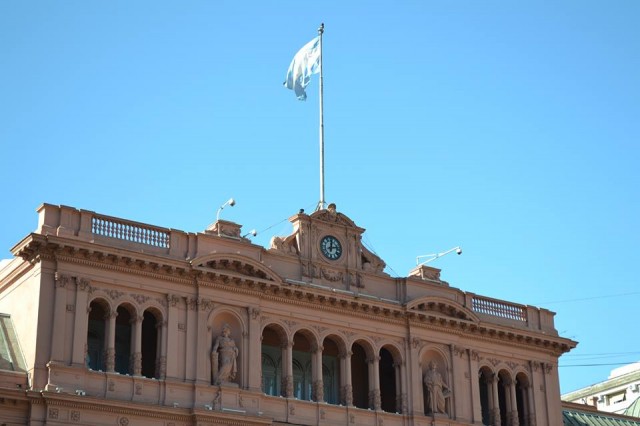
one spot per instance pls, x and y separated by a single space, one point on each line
606 296
597 365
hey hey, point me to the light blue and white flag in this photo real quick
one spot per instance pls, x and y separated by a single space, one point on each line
304 64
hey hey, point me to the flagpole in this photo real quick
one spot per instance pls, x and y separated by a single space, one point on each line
321 203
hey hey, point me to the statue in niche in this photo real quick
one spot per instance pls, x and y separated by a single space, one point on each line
437 390
223 358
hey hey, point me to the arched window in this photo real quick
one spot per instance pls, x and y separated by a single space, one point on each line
270 379
273 340
360 376
302 377
504 381
331 371
299 387
522 399
150 345
387 374
123 340
96 335
485 380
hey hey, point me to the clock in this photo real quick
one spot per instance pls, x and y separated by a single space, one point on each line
330 247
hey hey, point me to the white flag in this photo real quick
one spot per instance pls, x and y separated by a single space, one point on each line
304 64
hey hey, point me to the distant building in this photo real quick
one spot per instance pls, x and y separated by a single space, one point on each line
614 395
124 323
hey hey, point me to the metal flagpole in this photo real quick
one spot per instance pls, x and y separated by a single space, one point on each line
321 202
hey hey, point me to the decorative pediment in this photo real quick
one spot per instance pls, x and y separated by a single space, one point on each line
442 307
331 215
236 264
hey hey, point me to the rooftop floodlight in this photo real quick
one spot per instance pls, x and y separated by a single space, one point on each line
230 202
434 256
253 233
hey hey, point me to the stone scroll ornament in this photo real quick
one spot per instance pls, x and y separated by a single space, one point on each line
223 358
437 390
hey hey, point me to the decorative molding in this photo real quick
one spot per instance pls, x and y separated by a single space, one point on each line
71 308
54 413
140 298
113 294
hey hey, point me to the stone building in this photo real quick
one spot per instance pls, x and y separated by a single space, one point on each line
124 323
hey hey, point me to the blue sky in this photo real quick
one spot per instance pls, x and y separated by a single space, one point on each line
509 128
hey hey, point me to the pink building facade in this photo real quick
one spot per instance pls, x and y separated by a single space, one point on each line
124 323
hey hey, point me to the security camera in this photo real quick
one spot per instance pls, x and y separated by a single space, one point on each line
459 250
232 202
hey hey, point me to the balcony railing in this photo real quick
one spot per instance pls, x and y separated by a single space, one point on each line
129 231
496 308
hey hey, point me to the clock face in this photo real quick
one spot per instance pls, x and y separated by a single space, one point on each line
330 247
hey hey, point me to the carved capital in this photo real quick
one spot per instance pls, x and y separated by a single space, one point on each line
205 305
192 303
254 313
61 280
172 300
458 351
83 284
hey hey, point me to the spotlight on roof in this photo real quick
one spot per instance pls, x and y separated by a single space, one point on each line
434 256
253 233
230 202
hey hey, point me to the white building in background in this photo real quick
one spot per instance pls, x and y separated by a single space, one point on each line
613 395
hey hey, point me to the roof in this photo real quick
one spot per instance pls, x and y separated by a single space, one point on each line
634 409
587 415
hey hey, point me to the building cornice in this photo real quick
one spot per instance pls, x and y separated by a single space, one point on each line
265 287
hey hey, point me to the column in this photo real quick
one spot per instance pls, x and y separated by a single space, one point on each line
161 350
171 333
531 412
110 353
203 347
374 382
346 390
136 346
255 350
287 370
474 383
401 396
513 405
191 338
316 367
81 323
59 317
495 405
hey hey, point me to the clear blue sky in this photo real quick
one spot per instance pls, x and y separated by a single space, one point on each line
510 128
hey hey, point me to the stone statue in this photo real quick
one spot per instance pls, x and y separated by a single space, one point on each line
223 358
437 390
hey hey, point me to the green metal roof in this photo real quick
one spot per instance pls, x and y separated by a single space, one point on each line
634 409
575 415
